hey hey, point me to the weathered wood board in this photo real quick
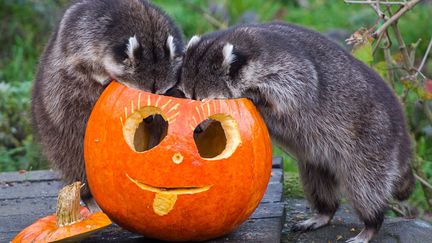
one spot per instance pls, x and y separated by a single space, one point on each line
27 197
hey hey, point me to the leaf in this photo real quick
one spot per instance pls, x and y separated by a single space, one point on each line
363 52
409 83
382 69
362 49
398 57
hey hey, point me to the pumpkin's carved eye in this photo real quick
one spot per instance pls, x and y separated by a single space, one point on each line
145 128
217 137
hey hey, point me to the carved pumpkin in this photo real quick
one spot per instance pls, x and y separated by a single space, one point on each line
70 223
186 185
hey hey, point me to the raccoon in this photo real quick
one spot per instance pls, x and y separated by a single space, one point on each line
334 114
96 41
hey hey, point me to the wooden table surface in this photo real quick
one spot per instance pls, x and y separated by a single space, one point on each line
27 197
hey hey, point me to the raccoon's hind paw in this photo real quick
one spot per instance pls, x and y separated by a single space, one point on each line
313 223
363 237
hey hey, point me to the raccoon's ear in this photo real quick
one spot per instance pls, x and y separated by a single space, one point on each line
171 47
128 51
228 55
233 60
133 48
193 41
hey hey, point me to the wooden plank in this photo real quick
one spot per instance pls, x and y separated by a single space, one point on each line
273 193
16 223
45 206
256 230
115 234
27 197
269 210
7 237
277 163
262 222
40 206
38 175
276 176
253 230
27 189
259 230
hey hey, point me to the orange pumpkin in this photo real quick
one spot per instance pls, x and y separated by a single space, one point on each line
186 186
71 222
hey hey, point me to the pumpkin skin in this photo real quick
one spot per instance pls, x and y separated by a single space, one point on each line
70 223
170 192
46 229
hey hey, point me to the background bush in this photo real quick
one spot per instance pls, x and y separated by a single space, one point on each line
26 26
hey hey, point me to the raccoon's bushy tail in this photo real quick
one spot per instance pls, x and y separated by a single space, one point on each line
405 185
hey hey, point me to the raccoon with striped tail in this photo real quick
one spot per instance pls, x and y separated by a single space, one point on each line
97 41
335 115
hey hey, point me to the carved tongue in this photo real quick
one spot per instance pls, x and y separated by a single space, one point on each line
163 203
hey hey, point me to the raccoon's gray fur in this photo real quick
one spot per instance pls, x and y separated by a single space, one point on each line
96 41
333 113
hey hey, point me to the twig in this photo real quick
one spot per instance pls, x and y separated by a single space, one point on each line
212 20
397 210
423 181
425 57
370 1
377 43
388 59
377 9
406 6
402 47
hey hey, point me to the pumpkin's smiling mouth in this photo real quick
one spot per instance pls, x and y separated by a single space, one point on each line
169 190
166 197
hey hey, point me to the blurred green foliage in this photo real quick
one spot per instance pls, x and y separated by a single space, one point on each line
25 26
17 150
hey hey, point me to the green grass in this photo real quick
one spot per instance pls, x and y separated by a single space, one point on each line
289 164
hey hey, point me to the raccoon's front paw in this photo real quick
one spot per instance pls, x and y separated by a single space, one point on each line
313 223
